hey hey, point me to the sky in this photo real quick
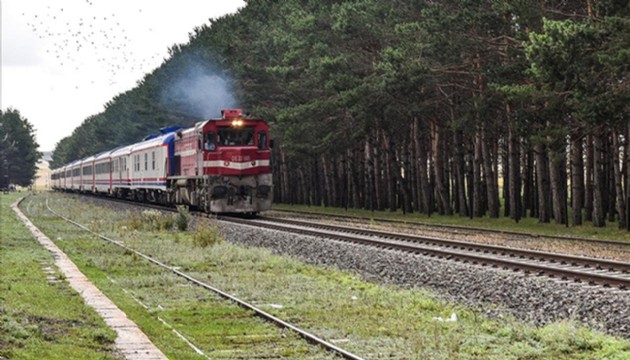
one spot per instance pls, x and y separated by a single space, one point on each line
63 60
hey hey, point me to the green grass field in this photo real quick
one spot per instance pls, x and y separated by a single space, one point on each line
41 317
371 320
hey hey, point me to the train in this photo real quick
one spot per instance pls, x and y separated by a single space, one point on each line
218 165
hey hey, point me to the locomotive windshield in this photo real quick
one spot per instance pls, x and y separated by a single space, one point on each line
230 136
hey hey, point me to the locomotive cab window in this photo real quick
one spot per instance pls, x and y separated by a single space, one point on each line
236 136
262 140
209 143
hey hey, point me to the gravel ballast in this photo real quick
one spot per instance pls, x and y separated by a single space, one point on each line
496 292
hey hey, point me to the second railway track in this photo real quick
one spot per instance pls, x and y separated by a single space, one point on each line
457 228
588 270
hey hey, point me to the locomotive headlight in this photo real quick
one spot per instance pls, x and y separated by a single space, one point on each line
237 123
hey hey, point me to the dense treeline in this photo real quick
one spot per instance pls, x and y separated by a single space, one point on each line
477 108
18 150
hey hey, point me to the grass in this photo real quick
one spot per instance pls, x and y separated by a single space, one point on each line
42 318
147 293
371 320
526 225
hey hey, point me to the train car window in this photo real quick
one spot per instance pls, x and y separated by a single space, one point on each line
153 160
146 161
209 143
229 136
262 140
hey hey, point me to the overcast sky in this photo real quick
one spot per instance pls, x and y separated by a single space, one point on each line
63 60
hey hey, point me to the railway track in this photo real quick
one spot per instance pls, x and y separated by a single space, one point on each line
446 227
566 267
608 273
261 313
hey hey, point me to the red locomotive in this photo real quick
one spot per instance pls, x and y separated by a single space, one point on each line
219 165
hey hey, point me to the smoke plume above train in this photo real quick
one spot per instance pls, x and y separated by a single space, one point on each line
199 91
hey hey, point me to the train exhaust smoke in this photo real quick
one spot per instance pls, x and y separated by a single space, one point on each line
200 91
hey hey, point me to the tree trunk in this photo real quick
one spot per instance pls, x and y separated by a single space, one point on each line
441 188
477 205
621 201
378 177
609 191
285 195
392 167
492 190
357 178
598 176
404 181
542 183
588 190
558 186
329 193
505 165
370 191
577 178
421 158
529 183
459 170
514 170
413 168
626 173
316 184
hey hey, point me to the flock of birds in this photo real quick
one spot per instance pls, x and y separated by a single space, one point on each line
88 36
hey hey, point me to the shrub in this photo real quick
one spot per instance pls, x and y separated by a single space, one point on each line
182 218
207 236
135 222
157 220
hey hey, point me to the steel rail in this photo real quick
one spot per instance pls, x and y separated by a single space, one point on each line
589 277
462 227
263 314
563 259
597 264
